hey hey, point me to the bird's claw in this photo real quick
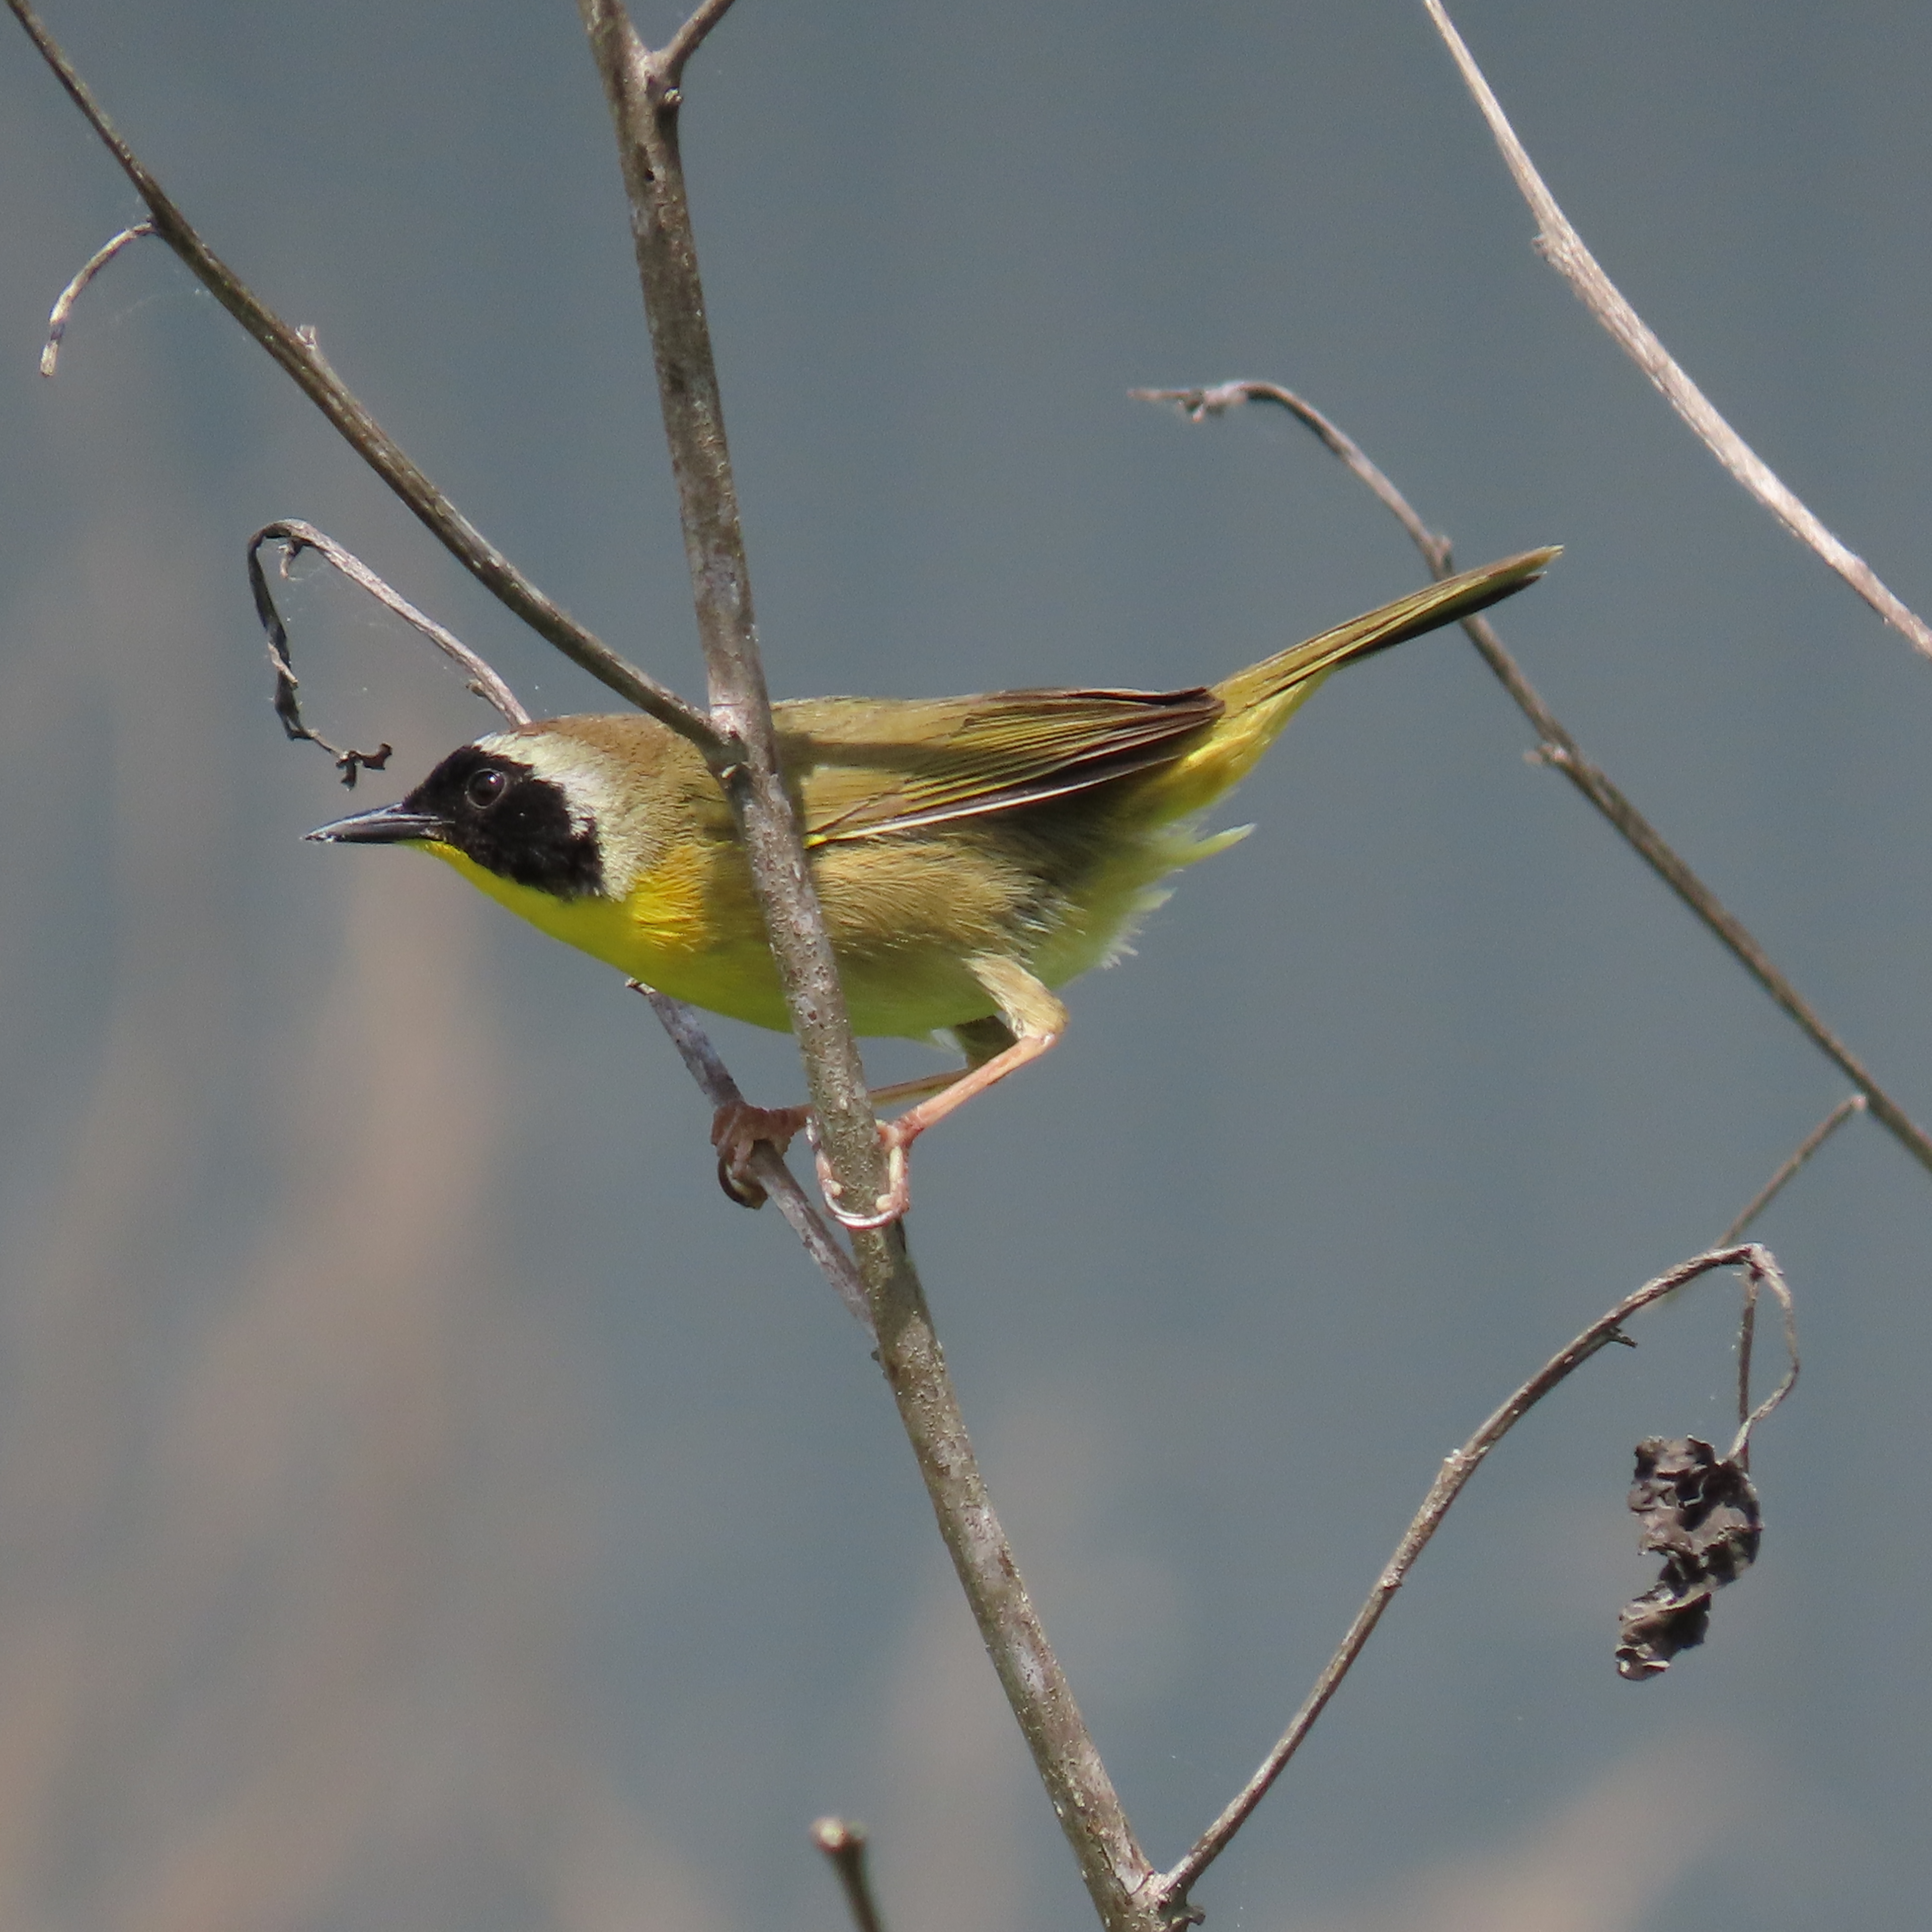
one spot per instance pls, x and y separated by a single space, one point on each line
891 1205
738 1130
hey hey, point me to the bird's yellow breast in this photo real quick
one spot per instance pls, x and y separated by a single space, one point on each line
675 931
904 918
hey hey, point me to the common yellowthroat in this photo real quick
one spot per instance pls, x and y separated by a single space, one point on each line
970 853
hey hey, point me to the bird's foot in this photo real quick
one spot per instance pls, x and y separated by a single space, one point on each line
898 1196
738 1130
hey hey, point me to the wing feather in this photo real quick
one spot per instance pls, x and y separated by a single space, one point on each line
866 769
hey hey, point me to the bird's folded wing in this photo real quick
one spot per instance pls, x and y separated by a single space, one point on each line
865 769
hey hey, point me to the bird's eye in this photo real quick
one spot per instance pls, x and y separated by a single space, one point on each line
485 786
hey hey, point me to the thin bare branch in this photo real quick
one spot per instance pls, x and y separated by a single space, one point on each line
1650 844
296 537
1560 752
1450 1481
644 109
1853 1103
1558 241
768 1166
64 308
1198 405
686 42
1765 1277
296 351
288 687
844 1845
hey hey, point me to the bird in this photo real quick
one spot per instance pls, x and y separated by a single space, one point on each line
971 855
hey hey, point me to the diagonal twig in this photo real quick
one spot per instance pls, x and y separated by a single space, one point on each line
1560 752
1853 1103
767 1165
296 351
1451 1479
679 49
1558 241
1762 1272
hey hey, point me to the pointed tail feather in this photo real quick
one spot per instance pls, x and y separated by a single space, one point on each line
1262 699
1447 602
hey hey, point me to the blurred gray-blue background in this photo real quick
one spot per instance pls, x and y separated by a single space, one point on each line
423 1501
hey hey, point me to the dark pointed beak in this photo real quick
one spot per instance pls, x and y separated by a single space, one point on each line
390 825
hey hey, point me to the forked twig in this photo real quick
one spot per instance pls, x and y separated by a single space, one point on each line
64 306
1451 1480
1739 1451
1853 1103
1560 752
679 49
296 537
295 349
844 1844
1558 241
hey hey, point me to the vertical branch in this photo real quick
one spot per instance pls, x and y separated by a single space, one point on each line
644 107
641 90
643 97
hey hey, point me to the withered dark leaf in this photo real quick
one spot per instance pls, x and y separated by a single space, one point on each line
1700 1512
